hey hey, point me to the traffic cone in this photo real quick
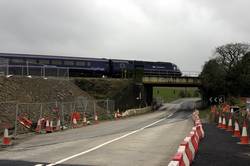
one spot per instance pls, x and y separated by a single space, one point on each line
230 127
51 126
48 128
84 119
115 114
244 137
224 125
220 122
95 118
58 125
6 138
38 126
236 129
74 122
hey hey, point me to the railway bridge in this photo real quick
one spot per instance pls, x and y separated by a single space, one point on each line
155 81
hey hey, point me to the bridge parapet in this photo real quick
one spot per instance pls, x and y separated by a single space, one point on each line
172 81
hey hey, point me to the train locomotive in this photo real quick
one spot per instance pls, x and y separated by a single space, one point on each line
87 67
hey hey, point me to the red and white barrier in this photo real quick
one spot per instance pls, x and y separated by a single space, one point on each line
187 151
182 149
179 157
174 163
189 147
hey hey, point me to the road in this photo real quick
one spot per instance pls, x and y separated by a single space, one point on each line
146 140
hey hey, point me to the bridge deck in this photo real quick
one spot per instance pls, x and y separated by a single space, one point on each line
172 81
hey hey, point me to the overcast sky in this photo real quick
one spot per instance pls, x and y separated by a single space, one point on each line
181 31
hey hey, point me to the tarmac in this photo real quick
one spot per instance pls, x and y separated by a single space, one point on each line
219 148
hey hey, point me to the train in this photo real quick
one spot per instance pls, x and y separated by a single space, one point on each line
89 67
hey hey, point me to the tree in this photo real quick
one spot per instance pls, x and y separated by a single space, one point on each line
230 54
213 79
243 72
228 73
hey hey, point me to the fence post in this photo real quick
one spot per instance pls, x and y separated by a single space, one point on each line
41 110
94 108
68 74
107 105
7 69
15 132
62 107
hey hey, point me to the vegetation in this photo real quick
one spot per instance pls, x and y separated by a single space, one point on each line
228 73
169 94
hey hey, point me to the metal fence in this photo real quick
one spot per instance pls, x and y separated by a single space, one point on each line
32 70
12 112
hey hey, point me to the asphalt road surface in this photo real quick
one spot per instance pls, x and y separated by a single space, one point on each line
146 140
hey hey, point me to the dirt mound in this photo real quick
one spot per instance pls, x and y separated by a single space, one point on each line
28 90
33 90
102 88
123 91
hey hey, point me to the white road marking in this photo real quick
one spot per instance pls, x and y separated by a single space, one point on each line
106 143
39 165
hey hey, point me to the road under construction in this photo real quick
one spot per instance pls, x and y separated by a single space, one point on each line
148 139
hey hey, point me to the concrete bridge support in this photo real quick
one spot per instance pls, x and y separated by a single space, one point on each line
148 94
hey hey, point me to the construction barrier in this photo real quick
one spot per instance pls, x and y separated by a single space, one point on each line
189 146
227 116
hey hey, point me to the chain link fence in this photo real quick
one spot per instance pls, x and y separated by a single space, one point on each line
21 118
31 70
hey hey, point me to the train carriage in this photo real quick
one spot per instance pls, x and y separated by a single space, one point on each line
27 64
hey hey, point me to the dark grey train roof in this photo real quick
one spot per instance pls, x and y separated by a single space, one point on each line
72 58
50 57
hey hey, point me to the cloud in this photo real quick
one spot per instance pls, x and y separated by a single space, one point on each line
181 31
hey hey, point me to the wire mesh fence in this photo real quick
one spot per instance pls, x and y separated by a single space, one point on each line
24 117
34 70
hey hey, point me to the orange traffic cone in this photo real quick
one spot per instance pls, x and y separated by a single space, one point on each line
236 129
84 119
229 127
220 122
38 126
95 118
6 138
115 114
74 122
58 125
224 125
244 137
48 128
51 126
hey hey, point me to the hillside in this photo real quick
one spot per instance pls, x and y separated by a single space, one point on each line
33 90
122 91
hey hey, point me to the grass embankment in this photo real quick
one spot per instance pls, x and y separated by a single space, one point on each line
204 113
169 94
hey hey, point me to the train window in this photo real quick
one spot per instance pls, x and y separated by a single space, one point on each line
122 65
56 62
89 64
69 63
44 62
80 63
18 61
32 61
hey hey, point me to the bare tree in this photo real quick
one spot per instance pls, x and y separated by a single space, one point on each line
230 54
